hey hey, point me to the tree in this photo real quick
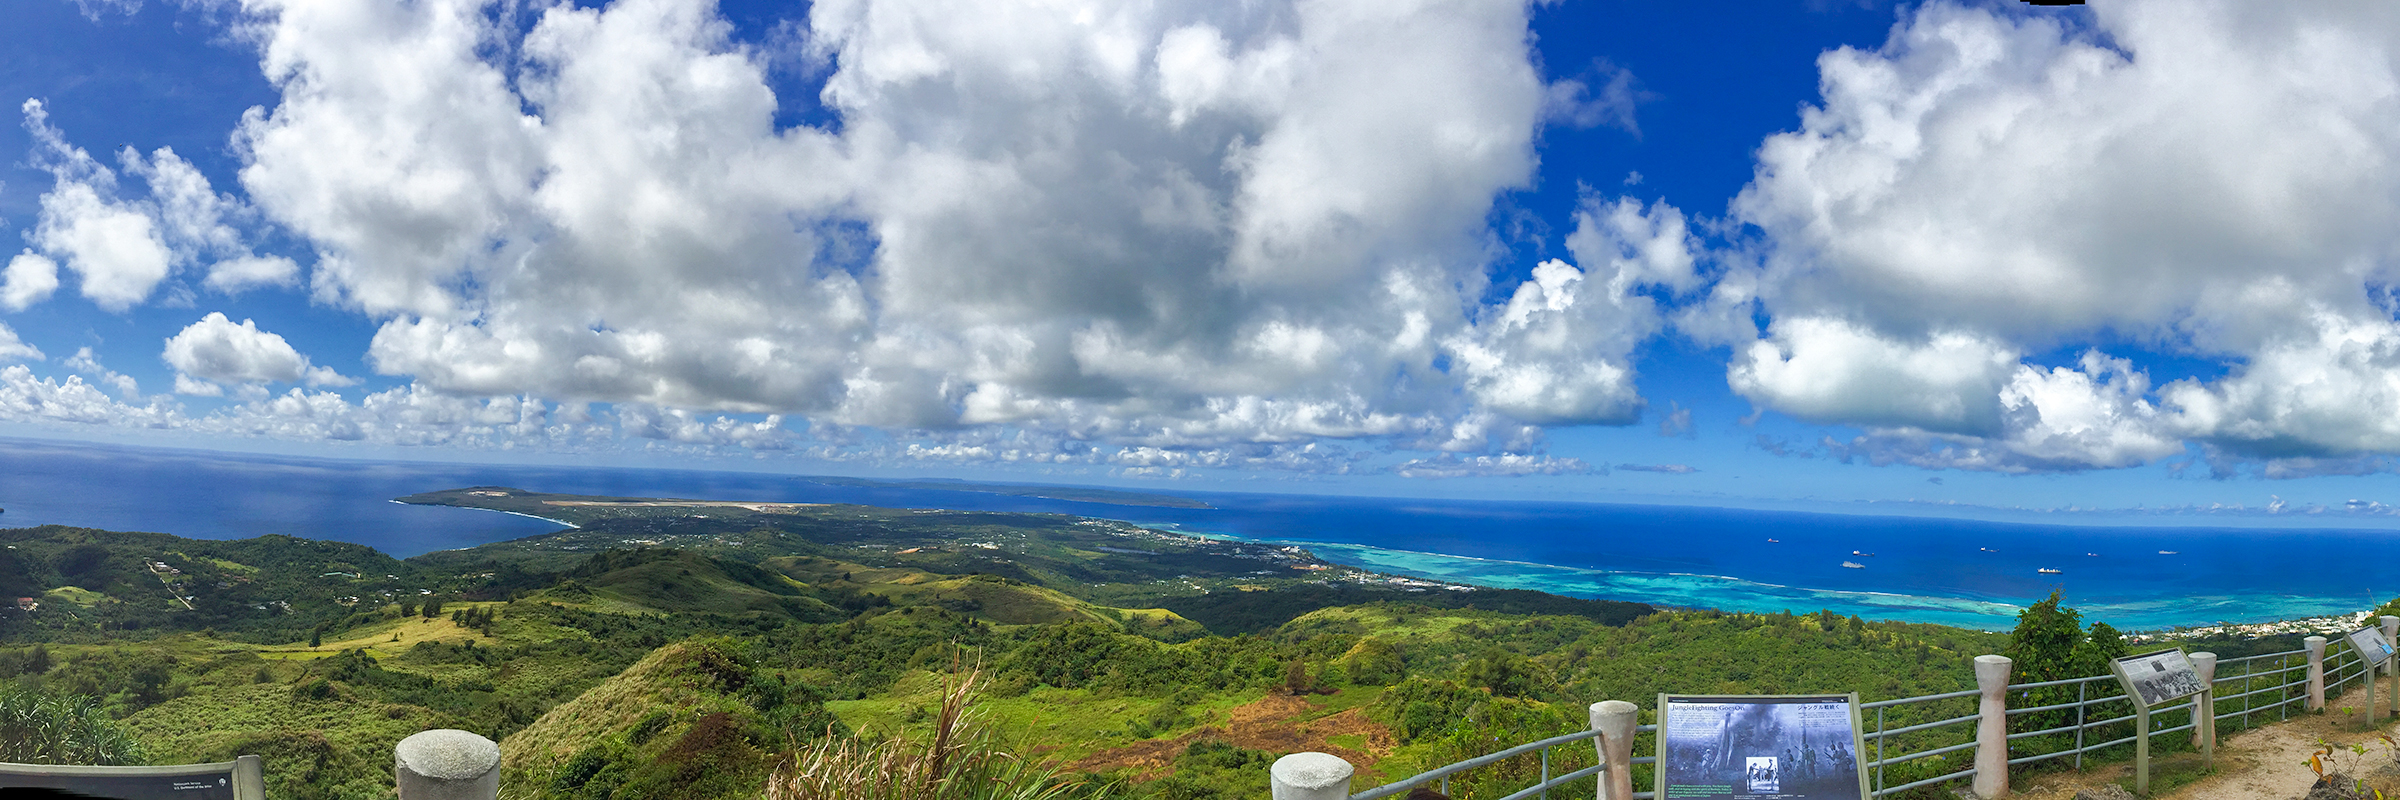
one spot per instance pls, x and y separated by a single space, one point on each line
316 637
1295 678
1375 662
1502 671
2050 644
2100 645
2043 643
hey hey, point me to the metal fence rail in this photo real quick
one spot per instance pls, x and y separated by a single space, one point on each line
1443 773
2250 672
2243 689
1541 789
1883 734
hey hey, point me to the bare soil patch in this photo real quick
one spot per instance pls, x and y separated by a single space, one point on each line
1272 723
763 508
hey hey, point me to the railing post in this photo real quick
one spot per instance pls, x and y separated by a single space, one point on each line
1991 729
2083 692
1615 720
2391 627
2316 672
2141 749
2204 708
250 770
446 764
1310 776
2368 670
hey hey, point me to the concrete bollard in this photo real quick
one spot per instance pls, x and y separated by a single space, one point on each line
1991 727
1310 776
1616 721
2204 707
447 765
2316 672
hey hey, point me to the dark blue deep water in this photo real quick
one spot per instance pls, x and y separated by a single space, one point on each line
1923 569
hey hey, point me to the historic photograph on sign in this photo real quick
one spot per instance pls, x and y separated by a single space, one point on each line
2158 678
1759 748
2370 645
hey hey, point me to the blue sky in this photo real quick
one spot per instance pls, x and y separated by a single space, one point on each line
1953 257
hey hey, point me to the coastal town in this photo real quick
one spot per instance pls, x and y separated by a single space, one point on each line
2334 625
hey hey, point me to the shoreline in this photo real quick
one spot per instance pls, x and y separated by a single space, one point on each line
1934 609
559 522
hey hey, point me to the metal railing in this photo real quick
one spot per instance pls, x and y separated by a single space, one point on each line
1541 789
1882 736
2249 671
2243 691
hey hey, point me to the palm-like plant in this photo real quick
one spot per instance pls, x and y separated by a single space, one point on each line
41 728
963 761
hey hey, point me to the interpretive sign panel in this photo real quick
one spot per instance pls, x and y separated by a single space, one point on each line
240 779
1759 747
2370 645
2155 679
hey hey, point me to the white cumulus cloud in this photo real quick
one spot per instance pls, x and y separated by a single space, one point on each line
1512 465
124 245
1180 225
15 349
112 245
86 363
2213 179
29 278
218 350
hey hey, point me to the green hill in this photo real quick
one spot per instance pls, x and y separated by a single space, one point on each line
266 589
677 581
692 719
994 598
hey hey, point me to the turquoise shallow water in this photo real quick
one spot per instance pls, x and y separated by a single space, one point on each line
1736 594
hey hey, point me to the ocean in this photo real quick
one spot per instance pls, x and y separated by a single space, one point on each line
1949 571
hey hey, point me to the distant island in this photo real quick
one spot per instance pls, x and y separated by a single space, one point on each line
1077 494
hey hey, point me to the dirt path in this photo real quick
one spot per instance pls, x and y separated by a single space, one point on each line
2267 763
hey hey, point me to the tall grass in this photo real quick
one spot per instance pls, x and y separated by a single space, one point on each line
963 761
42 728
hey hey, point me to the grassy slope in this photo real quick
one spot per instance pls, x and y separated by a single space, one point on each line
664 680
991 597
